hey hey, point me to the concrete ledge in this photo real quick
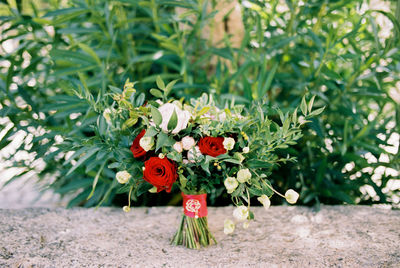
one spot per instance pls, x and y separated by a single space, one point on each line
337 236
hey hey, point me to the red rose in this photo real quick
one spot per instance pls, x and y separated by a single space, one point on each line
135 147
212 146
161 173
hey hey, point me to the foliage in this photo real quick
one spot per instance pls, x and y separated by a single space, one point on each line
334 50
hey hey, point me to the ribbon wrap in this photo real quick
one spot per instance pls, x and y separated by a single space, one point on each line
195 206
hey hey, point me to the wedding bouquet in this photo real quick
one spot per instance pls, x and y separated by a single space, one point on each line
195 146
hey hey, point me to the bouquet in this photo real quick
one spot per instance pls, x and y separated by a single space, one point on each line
195 146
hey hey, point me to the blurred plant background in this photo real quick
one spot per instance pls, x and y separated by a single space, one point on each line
58 56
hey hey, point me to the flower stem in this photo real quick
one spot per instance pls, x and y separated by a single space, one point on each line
193 233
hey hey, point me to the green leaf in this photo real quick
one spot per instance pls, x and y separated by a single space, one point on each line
169 87
96 179
151 132
303 106
182 180
317 112
162 139
160 83
81 160
157 117
310 104
91 52
173 121
156 93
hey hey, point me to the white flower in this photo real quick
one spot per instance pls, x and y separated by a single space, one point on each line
161 155
241 213
229 226
188 142
126 209
123 176
264 200
146 143
246 224
231 184
239 157
194 155
167 110
243 175
107 114
228 143
291 196
246 150
178 147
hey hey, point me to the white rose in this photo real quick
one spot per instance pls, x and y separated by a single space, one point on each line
178 147
188 142
228 143
241 213
107 114
194 155
229 226
291 196
123 176
146 143
167 110
243 175
246 150
231 184
264 200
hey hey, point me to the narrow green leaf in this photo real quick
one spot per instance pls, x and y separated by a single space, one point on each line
173 121
169 87
157 117
96 179
81 160
303 106
156 93
160 83
310 104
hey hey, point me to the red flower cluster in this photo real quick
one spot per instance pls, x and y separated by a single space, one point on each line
212 146
160 172
136 149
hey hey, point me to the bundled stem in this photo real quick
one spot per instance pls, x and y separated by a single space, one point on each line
193 233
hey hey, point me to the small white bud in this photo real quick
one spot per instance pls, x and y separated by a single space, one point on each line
241 213
231 184
188 142
229 226
228 143
126 209
146 143
243 175
264 200
291 196
123 176
246 150
178 147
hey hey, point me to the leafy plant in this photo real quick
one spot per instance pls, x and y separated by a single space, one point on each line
335 50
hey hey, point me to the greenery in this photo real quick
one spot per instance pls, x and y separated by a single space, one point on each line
67 55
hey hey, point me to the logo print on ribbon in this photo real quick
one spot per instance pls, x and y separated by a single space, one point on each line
193 205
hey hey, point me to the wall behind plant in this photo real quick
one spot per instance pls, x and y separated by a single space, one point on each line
57 57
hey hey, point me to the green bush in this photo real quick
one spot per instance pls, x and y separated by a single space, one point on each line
67 56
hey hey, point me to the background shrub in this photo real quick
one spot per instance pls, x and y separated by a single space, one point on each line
57 58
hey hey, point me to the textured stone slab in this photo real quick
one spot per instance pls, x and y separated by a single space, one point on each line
336 236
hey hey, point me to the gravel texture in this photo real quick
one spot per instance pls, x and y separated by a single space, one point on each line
336 236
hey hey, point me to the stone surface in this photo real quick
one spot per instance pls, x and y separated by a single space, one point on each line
336 236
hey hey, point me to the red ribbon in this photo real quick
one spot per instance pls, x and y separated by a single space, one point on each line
195 206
